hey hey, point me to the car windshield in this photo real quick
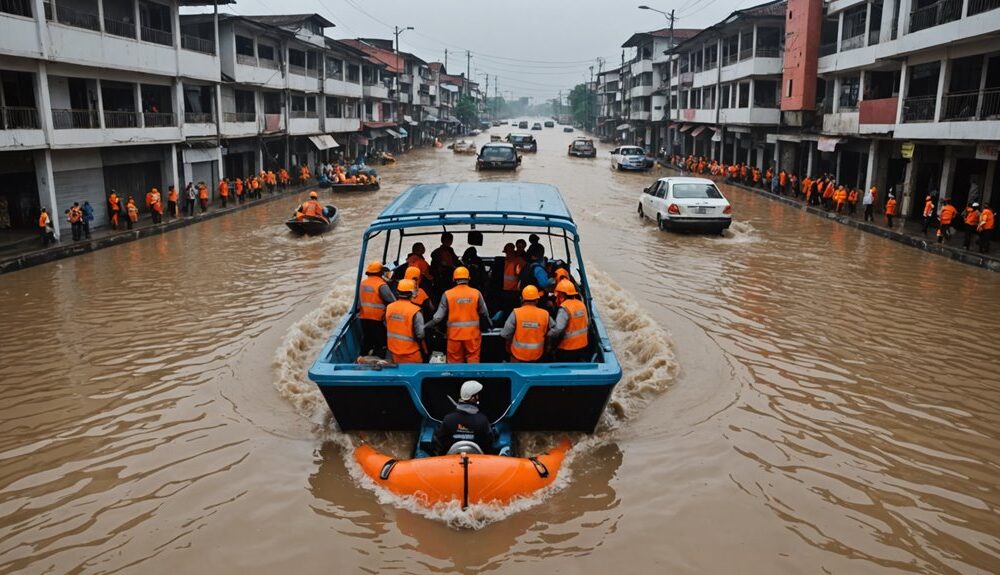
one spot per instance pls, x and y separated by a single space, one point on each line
582 145
497 154
696 191
520 139
632 152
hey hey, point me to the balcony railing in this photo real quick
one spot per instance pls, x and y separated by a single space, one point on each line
198 44
17 7
119 28
246 59
239 117
270 64
852 43
78 18
199 117
302 114
980 6
827 49
123 119
63 119
159 119
745 54
18 118
768 52
973 105
919 109
940 12
298 70
157 36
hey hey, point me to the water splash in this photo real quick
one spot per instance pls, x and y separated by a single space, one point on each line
644 350
741 232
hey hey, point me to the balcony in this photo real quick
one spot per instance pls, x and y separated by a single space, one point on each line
767 52
16 7
940 12
159 119
640 115
973 105
880 111
919 109
156 36
197 44
246 60
78 18
65 119
122 119
239 117
119 28
302 114
980 6
827 49
404 98
375 91
852 43
199 118
18 118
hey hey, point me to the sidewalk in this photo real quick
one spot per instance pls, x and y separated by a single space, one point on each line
907 232
28 252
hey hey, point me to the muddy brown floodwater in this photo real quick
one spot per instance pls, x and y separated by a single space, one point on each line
799 397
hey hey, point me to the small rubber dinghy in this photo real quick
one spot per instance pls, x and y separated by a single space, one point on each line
466 477
313 226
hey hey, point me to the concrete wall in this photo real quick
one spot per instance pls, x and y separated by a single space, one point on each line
803 20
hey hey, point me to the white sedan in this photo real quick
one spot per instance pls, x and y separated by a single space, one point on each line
686 204
629 158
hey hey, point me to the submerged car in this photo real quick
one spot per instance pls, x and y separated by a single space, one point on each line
582 148
629 158
536 126
366 392
568 129
498 156
694 204
522 125
550 124
525 142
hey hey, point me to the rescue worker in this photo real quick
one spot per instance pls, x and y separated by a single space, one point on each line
303 174
462 307
172 202
224 191
416 259
852 201
420 297
828 195
527 328
945 219
132 212
971 219
156 206
512 265
985 229
890 210
404 326
444 260
928 213
374 294
283 178
311 208
840 197
44 223
521 249
203 196
570 332
114 208
75 217
466 423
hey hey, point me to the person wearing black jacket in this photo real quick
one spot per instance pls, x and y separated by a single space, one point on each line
466 423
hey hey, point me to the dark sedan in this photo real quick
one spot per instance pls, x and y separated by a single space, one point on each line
497 156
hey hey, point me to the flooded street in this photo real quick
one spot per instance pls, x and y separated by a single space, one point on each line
799 397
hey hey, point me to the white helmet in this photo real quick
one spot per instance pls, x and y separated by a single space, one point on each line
470 388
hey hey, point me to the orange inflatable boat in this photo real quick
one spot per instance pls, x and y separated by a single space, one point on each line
468 478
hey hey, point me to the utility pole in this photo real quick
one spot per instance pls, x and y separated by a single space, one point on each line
670 70
446 60
590 98
487 93
496 98
468 71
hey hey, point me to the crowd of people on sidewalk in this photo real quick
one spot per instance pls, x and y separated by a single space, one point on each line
825 191
230 190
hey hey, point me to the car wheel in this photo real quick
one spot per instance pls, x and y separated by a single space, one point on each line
641 214
618 166
659 221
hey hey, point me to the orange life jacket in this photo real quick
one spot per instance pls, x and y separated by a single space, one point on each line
312 209
75 215
986 220
948 213
224 189
43 220
113 201
530 326
971 217
575 336
155 202
928 209
511 272
890 207
239 187
202 192
828 192
782 178
853 197
172 195
370 302
399 327
463 312
418 261
420 298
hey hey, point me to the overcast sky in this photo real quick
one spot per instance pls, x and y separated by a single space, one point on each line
534 47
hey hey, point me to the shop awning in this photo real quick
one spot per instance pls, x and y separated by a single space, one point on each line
402 131
393 133
430 119
686 127
409 120
716 134
324 142
449 87
697 131
373 134
623 127
828 144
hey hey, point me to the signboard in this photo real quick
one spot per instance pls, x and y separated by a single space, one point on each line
906 150
987 151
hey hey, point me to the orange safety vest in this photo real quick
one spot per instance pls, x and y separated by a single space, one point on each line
511 272
971 217
155 203
463 312
782 178
75 215
224 189
420 298
928 209
371 305
312 209
853 197
202 192
283 174
890 207
399 327
948 213
986 220
828 192
530 326
133 211
172 195
43 220
113 200
575 336
420 263
239 187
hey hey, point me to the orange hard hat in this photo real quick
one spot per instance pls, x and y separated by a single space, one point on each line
374 267
530 293
561 273
412 273
406 286
461 273
566 287
313 195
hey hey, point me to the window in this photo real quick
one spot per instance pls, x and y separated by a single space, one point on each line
725 102
244 100
661 190
848 96
696 191
789 92
353 73
333 107
296 58
244 46
334 68
298 104
744 96
765 94
265 52
311 104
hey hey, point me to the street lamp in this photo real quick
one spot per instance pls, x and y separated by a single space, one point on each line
670 64
399 69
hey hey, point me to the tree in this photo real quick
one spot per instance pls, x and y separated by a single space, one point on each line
467 112
583 104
